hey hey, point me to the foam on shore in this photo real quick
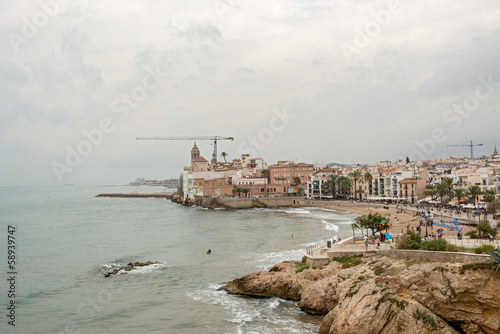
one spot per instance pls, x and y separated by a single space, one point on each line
329 226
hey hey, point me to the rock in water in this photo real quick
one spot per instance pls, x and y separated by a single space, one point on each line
123 270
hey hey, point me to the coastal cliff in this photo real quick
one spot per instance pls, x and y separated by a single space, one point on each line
377 294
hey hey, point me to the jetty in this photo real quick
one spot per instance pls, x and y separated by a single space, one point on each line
137 195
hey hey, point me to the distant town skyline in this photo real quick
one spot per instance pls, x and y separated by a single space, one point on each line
314 81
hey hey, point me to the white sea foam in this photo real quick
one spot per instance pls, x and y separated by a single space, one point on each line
330 227
328 215
137 270
273 315
144 269
296 211
274 303
265 261
331 210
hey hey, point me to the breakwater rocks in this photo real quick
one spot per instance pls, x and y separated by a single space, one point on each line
125 269
377 294
137 195
242 203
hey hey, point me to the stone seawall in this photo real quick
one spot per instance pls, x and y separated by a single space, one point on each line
247 203
450 257
243 203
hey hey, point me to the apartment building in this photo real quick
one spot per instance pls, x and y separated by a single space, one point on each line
412 189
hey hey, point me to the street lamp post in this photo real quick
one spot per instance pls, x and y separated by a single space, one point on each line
426 233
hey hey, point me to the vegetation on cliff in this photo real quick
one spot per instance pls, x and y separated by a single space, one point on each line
376 294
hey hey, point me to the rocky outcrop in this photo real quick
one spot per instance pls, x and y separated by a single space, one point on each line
123 270
279 281
378 294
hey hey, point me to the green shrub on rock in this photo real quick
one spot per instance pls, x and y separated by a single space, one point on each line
438 245
410 241
483 249
496 258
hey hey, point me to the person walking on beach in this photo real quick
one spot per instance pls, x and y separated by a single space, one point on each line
366 242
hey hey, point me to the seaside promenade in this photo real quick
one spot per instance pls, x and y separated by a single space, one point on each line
320 254
402 219
347 245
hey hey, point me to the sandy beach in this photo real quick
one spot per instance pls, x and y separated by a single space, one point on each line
398 221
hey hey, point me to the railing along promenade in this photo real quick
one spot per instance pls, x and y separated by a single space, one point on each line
320 250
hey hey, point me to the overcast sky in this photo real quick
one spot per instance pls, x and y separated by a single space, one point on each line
320 81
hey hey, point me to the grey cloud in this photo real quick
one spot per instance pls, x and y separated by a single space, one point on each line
199 32
12 73
464 66
244 71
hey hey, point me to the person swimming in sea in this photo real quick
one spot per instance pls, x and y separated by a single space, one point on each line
209 251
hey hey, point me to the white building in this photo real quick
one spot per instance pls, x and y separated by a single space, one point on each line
249 181
385 184
187 190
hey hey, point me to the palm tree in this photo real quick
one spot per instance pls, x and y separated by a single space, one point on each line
472 193
489 197
374 222
368 179
360 222
344 185
356 177
448 184
239 190
441 190
459 194
296 181
430 191
333 184
265 174
245 191
300 191
224 155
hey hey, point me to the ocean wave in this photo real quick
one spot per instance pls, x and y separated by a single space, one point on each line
265 261
328 215
145 269
330 227
256 315
329 210
296 211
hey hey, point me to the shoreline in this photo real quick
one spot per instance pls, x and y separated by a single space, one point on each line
399 221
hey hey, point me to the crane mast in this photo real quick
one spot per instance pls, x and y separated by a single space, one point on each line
212 138
471 145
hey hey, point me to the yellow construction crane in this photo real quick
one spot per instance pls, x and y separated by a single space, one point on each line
214 138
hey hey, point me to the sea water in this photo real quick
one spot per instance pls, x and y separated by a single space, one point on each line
65 237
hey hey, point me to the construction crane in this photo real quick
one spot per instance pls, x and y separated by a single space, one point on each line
471 145
214 138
